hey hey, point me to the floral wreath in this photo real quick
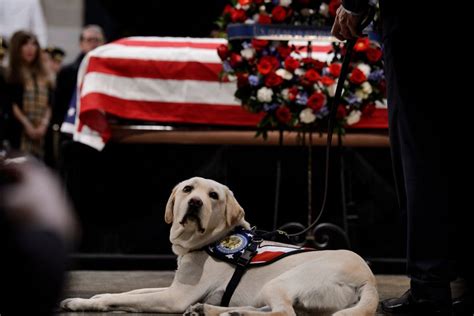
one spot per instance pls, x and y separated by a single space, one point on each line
288 86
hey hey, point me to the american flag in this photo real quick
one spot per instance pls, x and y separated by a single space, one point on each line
157 79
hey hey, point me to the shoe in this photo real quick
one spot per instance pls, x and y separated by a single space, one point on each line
463 306
408 305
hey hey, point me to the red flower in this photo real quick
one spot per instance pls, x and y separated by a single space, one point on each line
373 54
238 16
223 51
283 114
312 75
327 81
245 2
284 51
292 93
228 10
316 101
341 112
264 19
291 64
279 14
267 64
235 59
357 76
313 63
335 69
259 44
333 6
362 44
242 79
383 87
368 110
273 80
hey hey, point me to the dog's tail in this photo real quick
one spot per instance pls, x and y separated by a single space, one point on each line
367 304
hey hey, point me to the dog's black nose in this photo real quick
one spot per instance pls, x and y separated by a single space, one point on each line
195 203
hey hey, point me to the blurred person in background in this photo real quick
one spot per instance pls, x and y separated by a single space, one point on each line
22 15
53 59
37 229
30 91
91 37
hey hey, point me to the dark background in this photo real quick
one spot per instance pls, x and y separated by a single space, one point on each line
154 17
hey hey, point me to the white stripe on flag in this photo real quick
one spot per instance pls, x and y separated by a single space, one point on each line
143 89
157 53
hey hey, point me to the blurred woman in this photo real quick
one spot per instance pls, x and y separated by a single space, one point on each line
30 91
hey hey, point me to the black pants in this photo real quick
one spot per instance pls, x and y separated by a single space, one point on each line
436 237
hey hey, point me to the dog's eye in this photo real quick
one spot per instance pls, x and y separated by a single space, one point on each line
213 195
187 189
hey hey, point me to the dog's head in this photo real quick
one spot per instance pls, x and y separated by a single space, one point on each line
201 211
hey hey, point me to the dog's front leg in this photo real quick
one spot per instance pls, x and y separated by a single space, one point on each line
170 300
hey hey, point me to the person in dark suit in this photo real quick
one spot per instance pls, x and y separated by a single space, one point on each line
92 36
437 249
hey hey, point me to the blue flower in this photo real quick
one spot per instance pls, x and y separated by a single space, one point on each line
270 107
302 98
351 98
226 66
376 75
254 80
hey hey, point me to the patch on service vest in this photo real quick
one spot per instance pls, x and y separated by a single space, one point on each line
231 247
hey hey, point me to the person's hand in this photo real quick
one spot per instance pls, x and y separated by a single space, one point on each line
32 132
346 24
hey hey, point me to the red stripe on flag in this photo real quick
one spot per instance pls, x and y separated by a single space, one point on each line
167 112
164 43
267 256
155 69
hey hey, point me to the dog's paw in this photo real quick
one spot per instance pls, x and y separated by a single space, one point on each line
71 304
81 304
195 310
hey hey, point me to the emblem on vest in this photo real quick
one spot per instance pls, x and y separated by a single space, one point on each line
232 244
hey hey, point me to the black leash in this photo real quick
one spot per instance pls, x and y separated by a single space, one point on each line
333 111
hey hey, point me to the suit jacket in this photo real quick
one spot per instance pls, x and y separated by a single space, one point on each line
65 85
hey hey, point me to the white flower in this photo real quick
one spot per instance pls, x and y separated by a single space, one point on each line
231 77
268 1
324 9
264 94
247 53
332 89
285 74
285 3
284 94
366 87
300 71
364 68
307 116
238 6
249 21
262 8
353 117
245 7
361 95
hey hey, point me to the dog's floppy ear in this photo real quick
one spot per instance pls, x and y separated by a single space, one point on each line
233 211
170 206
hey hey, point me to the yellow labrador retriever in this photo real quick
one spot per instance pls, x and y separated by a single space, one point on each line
203 211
